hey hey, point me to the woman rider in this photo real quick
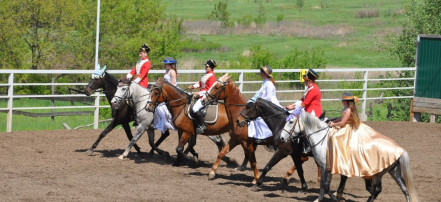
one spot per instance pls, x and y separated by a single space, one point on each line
204 84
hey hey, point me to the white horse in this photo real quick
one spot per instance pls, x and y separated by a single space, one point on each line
316 131
138 97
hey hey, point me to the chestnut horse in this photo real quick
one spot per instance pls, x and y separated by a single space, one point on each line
177 101
225 89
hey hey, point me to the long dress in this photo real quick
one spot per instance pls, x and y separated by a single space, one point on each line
163 119
361 152
258 128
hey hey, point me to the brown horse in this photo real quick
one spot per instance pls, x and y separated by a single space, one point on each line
225 89
177 101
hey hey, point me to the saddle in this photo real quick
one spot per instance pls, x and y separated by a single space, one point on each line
210 112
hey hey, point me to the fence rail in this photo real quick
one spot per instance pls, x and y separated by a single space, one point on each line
11 74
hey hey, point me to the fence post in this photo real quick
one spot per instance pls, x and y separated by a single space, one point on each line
241 82
96 114
363 115
10 95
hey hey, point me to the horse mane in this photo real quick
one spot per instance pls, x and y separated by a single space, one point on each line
175 87
112 79
311 122
277 107
236 90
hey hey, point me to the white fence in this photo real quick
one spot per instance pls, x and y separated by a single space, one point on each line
366 72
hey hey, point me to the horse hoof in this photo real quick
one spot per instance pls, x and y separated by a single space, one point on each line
121 157
255 188
195 160
89 152
254 182
240 168
284 182
211 176
304 188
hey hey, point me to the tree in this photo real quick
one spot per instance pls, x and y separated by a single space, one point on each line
220 13
423 17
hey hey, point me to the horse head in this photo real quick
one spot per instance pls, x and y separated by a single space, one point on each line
248 114
122 93
96 81
216 91
291 130
157 96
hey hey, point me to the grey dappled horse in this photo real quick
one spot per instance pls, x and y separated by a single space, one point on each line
316 132
139 98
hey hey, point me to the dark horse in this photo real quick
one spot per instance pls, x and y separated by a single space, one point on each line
272 115
124 115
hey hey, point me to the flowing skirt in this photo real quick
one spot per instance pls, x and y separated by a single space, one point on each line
163 119
361 152
258 129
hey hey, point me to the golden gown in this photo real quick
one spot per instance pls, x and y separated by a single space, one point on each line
361 152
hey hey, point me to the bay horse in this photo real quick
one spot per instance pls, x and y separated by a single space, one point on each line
225 89
316 132
177 101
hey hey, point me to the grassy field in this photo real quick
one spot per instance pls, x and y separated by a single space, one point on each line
347 40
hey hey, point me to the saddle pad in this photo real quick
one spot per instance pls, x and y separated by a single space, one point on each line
210 116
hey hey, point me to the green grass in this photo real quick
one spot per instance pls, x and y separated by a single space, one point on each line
359 48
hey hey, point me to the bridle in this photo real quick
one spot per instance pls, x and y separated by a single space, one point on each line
248 119
126 95
307 136
156 103
213 99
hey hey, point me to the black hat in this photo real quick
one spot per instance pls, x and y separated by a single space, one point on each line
145 48
267 70
211 63
348 96
311 75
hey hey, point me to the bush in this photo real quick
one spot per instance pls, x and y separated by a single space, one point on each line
245 21
260 18
279 17
220 13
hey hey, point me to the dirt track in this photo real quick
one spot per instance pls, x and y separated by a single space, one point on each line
53 166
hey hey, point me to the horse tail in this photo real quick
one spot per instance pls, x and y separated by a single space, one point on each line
408 178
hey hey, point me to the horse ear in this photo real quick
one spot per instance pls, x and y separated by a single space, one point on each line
97 67
104 68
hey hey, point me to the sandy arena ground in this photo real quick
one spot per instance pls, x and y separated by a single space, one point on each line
53 166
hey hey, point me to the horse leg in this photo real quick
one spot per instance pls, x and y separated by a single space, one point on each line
180 149
395 172
376 186
217 139
285 180
102 135
139 131
341 187
296 157
228 147
277 156
252 158
151 134
126 127
243 166
160 140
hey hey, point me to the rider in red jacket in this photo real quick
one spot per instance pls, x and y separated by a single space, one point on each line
141 68
204 84
311 101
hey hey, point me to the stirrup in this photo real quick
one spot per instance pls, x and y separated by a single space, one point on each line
200 129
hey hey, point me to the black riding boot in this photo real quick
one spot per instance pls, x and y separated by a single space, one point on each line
200 121
306 147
